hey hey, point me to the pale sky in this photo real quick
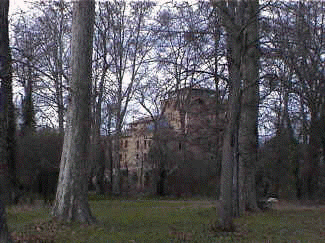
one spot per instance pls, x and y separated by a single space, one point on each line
14 4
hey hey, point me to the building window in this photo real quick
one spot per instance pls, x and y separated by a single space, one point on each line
121 144
137 156
179 146
120 157
145 144
138 144
126 144
145 157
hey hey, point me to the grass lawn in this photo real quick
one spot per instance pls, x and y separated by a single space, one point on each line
168 221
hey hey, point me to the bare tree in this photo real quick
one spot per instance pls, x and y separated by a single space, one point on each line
72 197
127 53
294 37
240 139
181 55
151 95
26 51
41 60
101 67
54 29
306 63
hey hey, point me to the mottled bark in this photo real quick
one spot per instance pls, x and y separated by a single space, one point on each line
229 167
72 193
248 137
240 138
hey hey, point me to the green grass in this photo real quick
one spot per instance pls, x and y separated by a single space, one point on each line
172 221
291 225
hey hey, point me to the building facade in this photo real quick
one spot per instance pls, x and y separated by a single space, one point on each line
189 128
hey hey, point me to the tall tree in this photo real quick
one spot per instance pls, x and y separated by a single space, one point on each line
150 97
7 110
295 42
240 139
41 56
72 198
5 88
307 61
179 48
25 54
55 25
230 142
101 94
248 132
127 53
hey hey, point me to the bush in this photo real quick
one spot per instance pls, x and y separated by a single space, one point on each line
35 152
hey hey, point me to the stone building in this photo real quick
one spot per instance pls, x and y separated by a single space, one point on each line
134 148
188 129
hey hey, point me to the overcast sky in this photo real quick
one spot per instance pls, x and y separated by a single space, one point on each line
14 4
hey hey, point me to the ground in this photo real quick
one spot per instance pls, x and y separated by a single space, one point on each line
169 221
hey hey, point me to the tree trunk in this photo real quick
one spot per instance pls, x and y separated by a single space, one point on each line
98 162
11 132
248 133
116 174
230 143
313 155
240 138
7 113
5 83
72 193
28 106
58 80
